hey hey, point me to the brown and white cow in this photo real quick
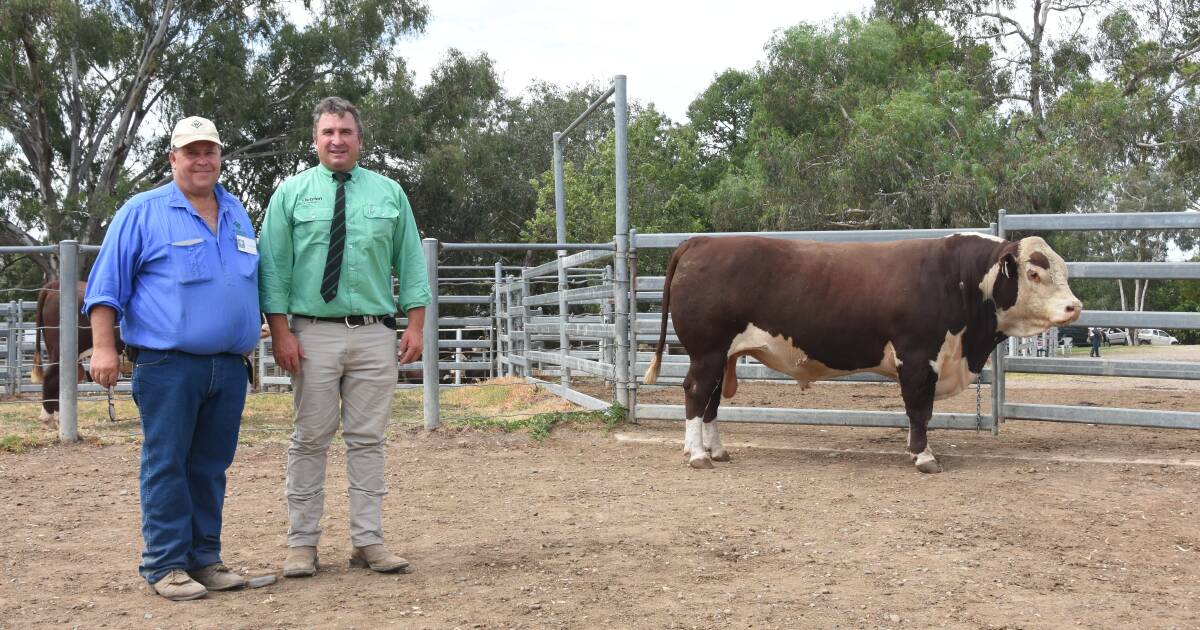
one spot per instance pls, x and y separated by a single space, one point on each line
46 320
924 312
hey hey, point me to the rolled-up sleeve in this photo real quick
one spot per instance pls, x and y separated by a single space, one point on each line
275 255
110 283
409 262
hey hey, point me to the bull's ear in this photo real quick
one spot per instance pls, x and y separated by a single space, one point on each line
1004 292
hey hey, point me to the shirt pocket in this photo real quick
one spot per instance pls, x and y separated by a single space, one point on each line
380 220
189 259
312 223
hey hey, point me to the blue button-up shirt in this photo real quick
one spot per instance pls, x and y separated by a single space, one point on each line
174 284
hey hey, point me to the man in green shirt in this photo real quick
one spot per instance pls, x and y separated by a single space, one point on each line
332 238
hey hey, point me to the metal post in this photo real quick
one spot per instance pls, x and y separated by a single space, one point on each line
261 369
526 343
497 325
458 356
564 316
998 359
16 335
606 316
560 204
68 338
509 369
633 326
620 263
429 364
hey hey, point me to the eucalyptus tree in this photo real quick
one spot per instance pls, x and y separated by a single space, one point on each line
89 89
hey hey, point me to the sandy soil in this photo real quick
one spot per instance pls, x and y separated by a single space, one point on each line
1045 526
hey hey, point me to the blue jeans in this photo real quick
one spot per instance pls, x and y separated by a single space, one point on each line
191 409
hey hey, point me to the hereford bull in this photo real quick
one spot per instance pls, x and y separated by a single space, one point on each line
924 312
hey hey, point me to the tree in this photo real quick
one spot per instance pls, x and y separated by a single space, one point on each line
663 197
90 88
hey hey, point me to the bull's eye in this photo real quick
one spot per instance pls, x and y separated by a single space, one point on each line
1033 276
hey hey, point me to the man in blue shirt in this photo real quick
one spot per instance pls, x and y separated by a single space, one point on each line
179 269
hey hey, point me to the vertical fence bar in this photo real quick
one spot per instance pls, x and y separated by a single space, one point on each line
497 324
68 338
458 356
429 365
560 204
509 369
998 358
606 317
633 326
564 315
16 335
21 344
526 343
620 262
261 369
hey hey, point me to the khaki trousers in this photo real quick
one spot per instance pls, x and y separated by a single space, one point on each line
348 378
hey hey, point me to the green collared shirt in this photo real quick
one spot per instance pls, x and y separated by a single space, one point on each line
381 237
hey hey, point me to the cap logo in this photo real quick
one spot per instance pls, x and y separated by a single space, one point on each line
197 124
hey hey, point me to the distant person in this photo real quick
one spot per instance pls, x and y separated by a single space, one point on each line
1096 336
170 257
333 237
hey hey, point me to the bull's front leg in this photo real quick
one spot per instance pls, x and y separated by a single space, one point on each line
702 397
918 382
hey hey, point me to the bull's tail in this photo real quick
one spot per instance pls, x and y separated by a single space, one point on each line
37 375
652 372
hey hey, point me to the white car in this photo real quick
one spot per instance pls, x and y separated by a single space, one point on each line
1155 337
1116 336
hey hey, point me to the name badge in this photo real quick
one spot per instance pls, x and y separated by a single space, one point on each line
247 244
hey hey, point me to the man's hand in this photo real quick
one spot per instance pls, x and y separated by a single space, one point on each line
284 345
410 344
106 366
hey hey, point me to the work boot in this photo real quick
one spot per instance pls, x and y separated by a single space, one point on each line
301 562
378 558
217 577
178 587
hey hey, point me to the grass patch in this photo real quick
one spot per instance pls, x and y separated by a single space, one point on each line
20 443
539 426
506 404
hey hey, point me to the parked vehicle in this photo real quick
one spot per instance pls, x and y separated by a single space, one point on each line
1155 337
1116 336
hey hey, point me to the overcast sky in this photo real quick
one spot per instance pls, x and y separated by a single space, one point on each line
669 50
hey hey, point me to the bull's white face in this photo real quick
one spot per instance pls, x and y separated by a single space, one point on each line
1043 299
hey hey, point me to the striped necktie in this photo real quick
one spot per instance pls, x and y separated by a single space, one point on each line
337 241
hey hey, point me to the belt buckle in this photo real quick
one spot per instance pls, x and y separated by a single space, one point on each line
346 319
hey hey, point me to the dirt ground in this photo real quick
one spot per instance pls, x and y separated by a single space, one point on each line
1045 526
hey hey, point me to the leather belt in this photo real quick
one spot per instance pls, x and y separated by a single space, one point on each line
351 321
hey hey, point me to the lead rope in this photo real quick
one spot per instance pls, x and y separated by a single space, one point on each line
112 409
978 406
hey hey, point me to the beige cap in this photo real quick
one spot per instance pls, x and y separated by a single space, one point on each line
194 129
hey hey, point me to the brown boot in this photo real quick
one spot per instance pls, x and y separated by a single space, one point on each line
217 577
301 562
378 558
178 587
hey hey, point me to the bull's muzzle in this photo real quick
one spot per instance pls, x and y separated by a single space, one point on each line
1068 313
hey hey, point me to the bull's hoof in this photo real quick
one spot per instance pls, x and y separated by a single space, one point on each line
721 456
48 420
704 461
928 464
